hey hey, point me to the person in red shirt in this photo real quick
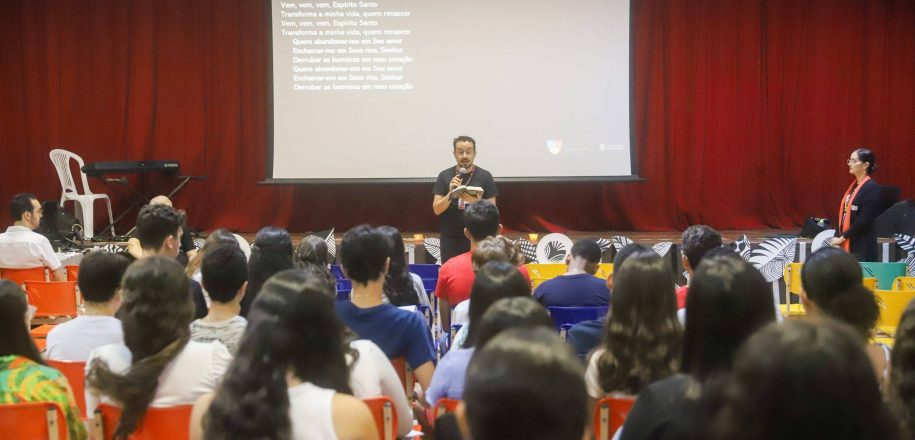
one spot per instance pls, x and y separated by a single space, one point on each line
481 220
697 240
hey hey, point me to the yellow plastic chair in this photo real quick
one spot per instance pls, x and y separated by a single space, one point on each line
541 272
904 283
604 271
793 278
892 304
870 283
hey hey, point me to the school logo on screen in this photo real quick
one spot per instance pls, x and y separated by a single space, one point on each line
554 146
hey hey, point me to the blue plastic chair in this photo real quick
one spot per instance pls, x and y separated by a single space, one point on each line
337 271
428 273
344 288
565 317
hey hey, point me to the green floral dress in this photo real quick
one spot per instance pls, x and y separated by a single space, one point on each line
23 380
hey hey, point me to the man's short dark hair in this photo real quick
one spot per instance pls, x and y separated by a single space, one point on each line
482 219
223 271
155 223
587 249
464 139
363 253
697 240
21 204
100 274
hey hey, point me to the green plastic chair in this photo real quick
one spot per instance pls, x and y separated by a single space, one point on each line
884 272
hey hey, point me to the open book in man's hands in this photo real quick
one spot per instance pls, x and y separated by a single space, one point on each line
472 190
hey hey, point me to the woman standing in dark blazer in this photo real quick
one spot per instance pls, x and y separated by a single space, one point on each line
858 209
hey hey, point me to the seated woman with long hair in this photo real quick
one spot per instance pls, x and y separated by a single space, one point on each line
24 376
642 337
158 364
311 255
290 380
270 254
834 286
728 300
803 379
401 288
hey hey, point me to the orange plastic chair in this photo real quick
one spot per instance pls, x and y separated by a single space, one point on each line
72 273
405 373
172 423
609 415
41 343
444 406
20 276
385 416
75 372
53 298
42 330
33 420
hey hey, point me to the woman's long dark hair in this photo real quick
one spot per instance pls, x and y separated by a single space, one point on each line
728 300
494 281
642 337
803 379
156 315
832 280
901 389
16 339
271 253
293 328
398 284
311 256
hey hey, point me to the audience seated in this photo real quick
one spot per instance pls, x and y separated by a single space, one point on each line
401 288
187 250
802 379
158 364
901 386
99 276
455 278
586 335
524 384
291 379
728 301
492 249
834 286
24 376
399 333
578 287
159 231
311 253
271 254
224 273
505 313
697 240
20 246
642 337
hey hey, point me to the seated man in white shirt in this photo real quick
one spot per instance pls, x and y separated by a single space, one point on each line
20 246
99 276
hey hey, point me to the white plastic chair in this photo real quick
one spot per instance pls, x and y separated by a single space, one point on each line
84 203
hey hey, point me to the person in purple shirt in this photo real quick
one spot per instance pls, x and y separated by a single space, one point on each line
578 287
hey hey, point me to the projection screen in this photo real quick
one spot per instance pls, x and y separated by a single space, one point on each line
377 90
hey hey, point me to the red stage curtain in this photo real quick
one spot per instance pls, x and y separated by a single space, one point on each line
745 112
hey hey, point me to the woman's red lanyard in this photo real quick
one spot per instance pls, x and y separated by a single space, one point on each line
845 209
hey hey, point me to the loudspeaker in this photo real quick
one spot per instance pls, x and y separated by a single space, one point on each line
58 225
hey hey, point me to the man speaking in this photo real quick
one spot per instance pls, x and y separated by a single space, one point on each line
449 204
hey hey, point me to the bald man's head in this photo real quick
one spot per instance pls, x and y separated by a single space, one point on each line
161 200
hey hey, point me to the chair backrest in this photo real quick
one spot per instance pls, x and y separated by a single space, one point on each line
385 416
565 317
337 271
20 276
428 273
444 406
793 277
75 372
884 272
53 298
604 270
609 415
72 273
405 374
892 304
904 283
870 283
32 420
541 272
172 423
61 160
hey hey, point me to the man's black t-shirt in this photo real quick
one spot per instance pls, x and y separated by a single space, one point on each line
452 220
